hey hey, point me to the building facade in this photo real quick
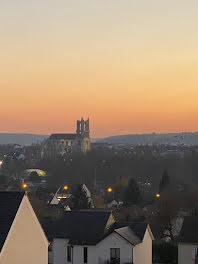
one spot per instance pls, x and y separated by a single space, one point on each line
64 144
22 239
94 237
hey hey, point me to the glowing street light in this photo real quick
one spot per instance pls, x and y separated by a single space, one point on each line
157 195
24 186
109 189
65 187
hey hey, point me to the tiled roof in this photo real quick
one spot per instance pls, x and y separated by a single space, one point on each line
9 204
63 136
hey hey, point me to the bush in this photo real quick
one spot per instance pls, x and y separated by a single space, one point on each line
165 253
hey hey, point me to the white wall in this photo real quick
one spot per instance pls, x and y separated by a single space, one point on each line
142 253
114 241
26 242
185 253
98 254
59 251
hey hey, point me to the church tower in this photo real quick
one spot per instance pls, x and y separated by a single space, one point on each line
83 132
83 128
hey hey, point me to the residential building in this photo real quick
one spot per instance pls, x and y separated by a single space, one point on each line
188 241
94 237
64 196
22 239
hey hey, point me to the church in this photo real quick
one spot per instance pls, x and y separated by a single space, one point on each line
64 144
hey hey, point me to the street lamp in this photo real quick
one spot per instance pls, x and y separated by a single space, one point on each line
157 195
100 164
24 186
65 187
109 190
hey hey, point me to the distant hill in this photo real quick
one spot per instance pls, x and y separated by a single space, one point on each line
21 139
188 138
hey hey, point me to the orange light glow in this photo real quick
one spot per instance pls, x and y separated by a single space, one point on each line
109 189
157 195
65 187
24 186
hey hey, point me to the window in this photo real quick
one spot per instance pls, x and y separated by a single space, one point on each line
194 252
85 254
69 253
115 255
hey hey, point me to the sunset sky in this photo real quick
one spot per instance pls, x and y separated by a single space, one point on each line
130 65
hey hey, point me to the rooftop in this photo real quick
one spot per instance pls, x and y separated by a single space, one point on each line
9 204
90 227
189 230
63 136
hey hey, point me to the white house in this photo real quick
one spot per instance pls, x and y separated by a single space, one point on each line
22 239
188 241
94 237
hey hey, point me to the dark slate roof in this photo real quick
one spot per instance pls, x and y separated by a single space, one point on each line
9 204
128 234
189 230
80 227
132 232
89 227
63 136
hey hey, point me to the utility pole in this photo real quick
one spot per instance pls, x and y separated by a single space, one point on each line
95 179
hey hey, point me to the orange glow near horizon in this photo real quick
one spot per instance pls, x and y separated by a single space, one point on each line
130 67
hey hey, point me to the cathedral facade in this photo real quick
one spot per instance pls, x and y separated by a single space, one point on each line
64 144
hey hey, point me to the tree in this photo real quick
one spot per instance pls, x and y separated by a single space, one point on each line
165 181
98 201
34 177
79 199
166 209
2 179
132 194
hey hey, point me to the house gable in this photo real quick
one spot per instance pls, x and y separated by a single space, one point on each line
114 240
143 251
26 239
9 204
